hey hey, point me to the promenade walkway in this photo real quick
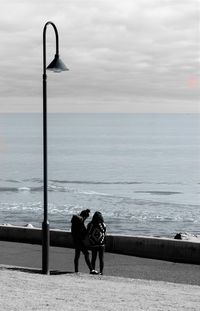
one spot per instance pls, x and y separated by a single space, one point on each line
61 260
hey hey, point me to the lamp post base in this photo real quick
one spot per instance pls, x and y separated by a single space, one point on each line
45 247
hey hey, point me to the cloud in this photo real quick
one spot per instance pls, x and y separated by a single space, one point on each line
115 49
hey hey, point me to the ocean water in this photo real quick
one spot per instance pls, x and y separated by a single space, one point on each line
140 170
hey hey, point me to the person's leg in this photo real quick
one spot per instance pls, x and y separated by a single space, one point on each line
85 251
76 258
94 257
87 259
101 258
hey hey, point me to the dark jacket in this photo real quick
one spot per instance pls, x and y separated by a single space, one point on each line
78 228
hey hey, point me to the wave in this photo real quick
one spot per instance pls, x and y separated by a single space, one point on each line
119 182
95 182
87 182
107 196
159 192
54 188
12 189
111 198
59 214
18 189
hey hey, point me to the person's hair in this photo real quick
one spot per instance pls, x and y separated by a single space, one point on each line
85 213
97 217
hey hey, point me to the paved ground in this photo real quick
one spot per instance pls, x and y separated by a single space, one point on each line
61 261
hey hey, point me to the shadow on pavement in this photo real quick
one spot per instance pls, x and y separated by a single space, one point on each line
36 271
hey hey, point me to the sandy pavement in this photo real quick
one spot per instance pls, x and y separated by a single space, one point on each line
21 291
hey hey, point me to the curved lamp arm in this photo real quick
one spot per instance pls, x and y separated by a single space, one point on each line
44 43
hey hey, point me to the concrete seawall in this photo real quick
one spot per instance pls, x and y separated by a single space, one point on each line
149 247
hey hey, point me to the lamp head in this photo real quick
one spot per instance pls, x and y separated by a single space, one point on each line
57 65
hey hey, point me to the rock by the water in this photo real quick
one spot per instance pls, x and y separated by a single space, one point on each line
187 236
178 236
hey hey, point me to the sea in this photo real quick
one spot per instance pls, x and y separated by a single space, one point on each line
140 170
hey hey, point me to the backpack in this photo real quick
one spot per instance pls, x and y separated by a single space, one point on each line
96 234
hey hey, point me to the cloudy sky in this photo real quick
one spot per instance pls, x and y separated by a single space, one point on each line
123 55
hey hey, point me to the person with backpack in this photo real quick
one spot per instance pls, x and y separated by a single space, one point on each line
79 233
96 235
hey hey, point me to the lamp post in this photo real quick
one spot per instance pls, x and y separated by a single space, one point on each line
57 66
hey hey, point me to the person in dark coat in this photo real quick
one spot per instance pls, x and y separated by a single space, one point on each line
79 233
96 234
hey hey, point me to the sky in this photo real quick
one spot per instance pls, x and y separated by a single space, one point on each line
131 56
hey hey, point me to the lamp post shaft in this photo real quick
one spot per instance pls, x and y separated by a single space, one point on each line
45 224
57 65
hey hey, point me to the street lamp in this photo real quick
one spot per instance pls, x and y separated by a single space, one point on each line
57 66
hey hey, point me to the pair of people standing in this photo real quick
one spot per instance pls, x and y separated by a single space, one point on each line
92 237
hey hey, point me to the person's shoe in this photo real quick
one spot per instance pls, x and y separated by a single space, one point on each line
94 272
100 273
